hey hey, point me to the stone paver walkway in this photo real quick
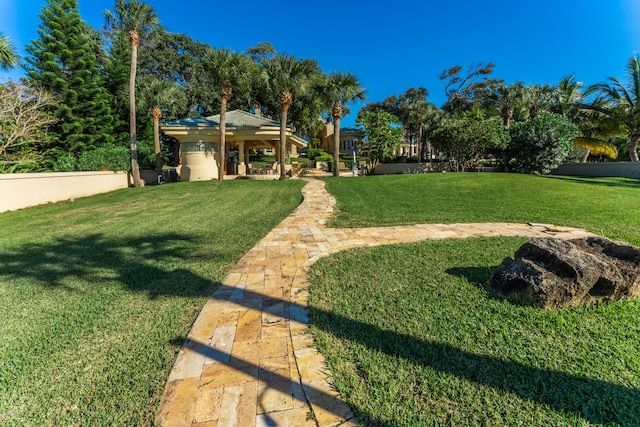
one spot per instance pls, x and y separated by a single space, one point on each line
249 359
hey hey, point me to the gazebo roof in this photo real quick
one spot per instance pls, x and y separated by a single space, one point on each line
234 119
240 125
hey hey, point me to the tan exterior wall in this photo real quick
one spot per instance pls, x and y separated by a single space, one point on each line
199 160
618 169
348 140
22 190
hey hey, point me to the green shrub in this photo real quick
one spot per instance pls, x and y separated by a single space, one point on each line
312 153
324 157
110 157
146 157
301 160
65 163
468 140
319 155
540 144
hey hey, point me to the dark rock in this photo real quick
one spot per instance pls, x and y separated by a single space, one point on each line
553 273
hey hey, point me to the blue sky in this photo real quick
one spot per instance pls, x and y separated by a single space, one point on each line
392 46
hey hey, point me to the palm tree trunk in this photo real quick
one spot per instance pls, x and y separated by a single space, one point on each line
507 114
420 146
633 147
223 131
283 140
135 168
336 112
585 156
336 146
156 114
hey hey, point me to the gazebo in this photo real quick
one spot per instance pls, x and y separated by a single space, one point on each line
199 139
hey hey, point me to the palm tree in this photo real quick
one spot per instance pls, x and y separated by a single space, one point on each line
567 97
538 97
227 70
340 89
156 95
8 55
507 98
622 103
426 116
596 131
138 20
284 77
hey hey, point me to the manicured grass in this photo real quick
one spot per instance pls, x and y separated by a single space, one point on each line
605 206
419 341
97 296
413 335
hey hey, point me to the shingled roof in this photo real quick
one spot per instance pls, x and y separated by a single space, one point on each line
235 119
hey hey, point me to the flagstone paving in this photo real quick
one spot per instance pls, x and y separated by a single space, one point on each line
249 359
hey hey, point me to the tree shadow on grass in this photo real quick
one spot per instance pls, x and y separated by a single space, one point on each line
149 264
591 399
594 400
590 180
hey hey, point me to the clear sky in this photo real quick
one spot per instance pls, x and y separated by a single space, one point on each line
392 46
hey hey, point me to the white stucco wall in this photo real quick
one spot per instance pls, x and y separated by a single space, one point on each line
22 190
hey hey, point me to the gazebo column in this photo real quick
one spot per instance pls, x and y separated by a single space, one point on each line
246 153
199 160
242 165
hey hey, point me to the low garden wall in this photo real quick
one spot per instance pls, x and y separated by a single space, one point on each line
620 169
22 190
396 168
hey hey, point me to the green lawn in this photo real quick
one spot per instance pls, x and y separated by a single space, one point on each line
414 337
96 295
603 205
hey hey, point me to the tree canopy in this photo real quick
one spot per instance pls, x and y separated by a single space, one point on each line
382 134
61 61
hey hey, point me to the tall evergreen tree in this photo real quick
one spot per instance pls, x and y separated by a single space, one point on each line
63 62
116 81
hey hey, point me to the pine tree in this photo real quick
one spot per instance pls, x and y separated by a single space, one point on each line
63 62
116 81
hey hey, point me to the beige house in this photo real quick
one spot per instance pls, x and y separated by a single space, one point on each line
349 139
199 139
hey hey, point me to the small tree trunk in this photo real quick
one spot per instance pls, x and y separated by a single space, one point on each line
336 113
135 168
585 156
633 147
507 114
156 113
420 147
223 142
336 146
283 141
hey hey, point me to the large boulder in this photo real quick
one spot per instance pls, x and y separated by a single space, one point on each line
554 273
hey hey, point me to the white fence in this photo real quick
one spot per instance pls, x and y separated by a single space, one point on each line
22 190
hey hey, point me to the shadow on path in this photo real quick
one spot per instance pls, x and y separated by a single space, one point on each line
593 400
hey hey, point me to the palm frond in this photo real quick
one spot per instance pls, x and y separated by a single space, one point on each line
597 146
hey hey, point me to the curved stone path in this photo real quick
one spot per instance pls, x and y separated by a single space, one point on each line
249 359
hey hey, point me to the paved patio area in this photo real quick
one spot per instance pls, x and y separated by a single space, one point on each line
249 359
